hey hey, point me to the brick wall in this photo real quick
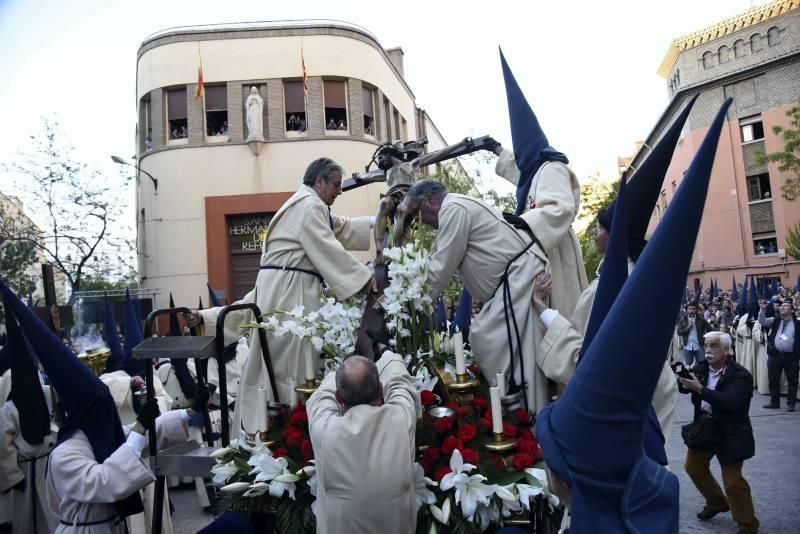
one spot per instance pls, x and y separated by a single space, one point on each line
274 103
235 112
195 119
356 108
157 116
315 114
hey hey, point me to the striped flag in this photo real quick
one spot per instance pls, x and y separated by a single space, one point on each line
199 92
305 74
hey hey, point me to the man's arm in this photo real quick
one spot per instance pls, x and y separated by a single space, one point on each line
232 332
398 387
506 166
683 326
763 320
10 473
322 406
352 232
731 398
449 248
556 205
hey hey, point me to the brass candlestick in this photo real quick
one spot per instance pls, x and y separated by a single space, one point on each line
309 387
500 443
460 390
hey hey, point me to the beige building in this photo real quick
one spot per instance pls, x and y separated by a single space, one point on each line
753 57
215 191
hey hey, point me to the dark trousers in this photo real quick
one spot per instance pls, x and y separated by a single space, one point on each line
783 363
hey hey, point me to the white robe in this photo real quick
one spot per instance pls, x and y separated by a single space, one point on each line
81 490
551 206
476 242
17 459
299 236
761 375
745 354
365 457
119 383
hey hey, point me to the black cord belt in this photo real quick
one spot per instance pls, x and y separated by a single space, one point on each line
90 523
295 269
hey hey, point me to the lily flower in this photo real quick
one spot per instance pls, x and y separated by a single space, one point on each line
265 467
458 470
421 483
236 487
283 483
256 490
442 515
473 492
223 472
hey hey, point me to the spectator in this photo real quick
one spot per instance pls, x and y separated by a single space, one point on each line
301 125
772 248
692 327
331 125
783 353
342 125
183 133
224 130
761 249
291 124
721 391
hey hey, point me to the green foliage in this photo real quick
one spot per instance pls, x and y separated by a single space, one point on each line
793 241
788 159
97 282
596 194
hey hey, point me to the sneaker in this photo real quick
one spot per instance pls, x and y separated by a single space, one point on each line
790 408
771 406
707 512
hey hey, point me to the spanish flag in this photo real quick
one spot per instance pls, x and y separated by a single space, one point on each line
305 74
199 92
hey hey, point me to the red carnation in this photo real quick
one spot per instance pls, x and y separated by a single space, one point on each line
527 446
293 437
480 401
306 450
431 454
521 415
509 430
524 432
467 432
298 418
474 369
485 423
522 460
450 444
471 456
441 471
453 405
280 452
462 412
427 397
443 424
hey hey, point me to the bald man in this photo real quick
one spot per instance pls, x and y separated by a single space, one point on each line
364 450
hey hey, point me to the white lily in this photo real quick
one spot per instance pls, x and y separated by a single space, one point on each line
473 492
307 471
485 515
510 500
236 487
265 467
223 472
442 515
285 482
458 469
256 490
526 493
219 453
421 483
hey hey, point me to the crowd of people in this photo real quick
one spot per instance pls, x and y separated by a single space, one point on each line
295 123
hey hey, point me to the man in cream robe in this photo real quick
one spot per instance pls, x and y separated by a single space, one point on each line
476 242
550 209
304 243
365 452
119 384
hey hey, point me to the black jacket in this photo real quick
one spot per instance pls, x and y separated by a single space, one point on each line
776 325
684 327
730 403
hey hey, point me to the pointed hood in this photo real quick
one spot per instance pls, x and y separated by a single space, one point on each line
180 365
441 316
199 303
774 289
26 388
463 315
797 284
30 300
531 148
593 435
741 305
684 297
133 336
86 400
697 295
734 290
752 300
212 295
644 188
111 337
714 289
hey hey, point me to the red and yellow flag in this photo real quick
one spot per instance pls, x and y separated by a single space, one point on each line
199 92
305 74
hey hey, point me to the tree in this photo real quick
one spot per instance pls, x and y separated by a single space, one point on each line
793 241
76 209
17 259
596 194
788 159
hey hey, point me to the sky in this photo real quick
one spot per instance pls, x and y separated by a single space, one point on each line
588 68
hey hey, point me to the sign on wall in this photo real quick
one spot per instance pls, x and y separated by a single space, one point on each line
246 232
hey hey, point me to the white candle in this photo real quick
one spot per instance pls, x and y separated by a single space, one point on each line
501 383
311 372
292 393
458 344
497 410
261 410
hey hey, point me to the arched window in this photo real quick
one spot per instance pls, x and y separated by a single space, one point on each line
708 60
724 54
773 36
739 49
755 42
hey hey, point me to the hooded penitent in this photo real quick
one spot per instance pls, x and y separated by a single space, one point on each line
734 290
180 365
133 336
88 403
531 148
213 297
644 188
752 300
111 337
592 437
26 389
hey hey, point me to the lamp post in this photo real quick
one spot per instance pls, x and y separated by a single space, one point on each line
120 161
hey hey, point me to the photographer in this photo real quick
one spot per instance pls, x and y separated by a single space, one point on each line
692 328
721 391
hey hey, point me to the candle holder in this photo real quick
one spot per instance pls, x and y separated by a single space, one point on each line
309 387
460 390
500 443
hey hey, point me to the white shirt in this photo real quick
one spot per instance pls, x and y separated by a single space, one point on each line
713 380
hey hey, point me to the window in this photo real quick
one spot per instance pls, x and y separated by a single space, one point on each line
724 54
335 106
387 114
773 36
708 60
755 42
397 125
216 100
294 106
765 244
368 107
176 114
145 125
758 187
739 49
752 129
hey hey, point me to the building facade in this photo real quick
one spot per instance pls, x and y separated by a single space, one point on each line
754 58
216 192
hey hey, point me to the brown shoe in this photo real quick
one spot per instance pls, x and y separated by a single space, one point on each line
707 512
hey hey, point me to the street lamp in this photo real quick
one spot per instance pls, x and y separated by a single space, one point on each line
120 161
